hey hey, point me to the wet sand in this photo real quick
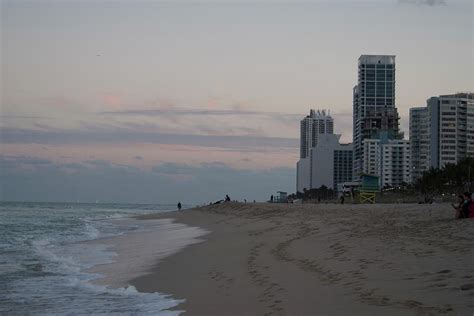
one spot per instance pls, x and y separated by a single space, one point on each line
325 259
138 250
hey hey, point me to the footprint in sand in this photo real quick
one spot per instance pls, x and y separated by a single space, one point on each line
412 303
467 287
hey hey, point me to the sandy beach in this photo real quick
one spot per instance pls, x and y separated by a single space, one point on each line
324 259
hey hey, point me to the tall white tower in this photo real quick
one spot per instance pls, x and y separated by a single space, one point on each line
317 122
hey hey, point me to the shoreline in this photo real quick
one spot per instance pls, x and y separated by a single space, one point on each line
324 259
136 251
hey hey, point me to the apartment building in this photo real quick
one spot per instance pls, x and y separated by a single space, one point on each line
388 159
374 108
419 141
329 163
316 123
442 132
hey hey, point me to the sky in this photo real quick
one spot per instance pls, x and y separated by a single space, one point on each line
159 102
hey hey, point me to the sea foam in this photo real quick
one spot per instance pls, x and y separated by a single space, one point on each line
47 250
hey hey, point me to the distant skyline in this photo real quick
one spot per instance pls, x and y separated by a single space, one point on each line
178 96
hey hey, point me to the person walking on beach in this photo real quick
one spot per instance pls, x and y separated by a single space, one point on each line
179 206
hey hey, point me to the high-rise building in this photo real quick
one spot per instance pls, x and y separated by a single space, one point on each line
388 159
329 164
316 123
396 163
374 110
456 133
445 130
419 141
372 159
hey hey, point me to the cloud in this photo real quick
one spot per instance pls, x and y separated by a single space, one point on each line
138 158
175 120
25 117
74 166
431 3
198 112
99 163
23 160
166 183
68 137
226 131
233 120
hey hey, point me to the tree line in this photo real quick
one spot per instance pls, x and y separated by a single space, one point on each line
452 178
321 193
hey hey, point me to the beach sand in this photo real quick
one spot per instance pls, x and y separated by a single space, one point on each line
323 259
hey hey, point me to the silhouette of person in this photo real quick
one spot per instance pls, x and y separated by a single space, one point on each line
179 205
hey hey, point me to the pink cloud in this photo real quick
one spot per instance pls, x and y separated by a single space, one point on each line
112 101
124 154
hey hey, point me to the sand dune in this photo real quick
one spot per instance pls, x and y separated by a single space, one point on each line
280 259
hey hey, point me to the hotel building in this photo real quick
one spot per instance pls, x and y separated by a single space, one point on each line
419 141
389 159
316 123
443 131
374 108
329 163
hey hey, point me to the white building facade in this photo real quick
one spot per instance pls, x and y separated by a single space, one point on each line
396 163
372 162
303 174
442 132
329 163
316 123
390 160
456 133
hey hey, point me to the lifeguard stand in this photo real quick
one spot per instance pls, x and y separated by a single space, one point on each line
281 197
368 189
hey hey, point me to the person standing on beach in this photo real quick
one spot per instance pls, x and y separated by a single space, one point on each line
459 207
466 206
179 206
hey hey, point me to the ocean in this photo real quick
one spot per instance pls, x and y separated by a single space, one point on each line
48 250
